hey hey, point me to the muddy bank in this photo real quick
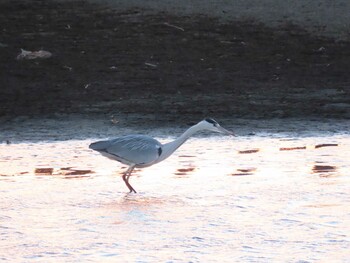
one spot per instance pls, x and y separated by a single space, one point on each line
321 17
163 67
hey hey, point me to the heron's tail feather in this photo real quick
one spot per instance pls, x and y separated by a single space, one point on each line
99 146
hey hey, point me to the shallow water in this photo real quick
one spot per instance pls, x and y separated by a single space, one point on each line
261 198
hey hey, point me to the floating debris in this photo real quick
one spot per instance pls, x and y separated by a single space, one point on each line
321 205
240 174
6 175
70 173
173 26
43 171
320 50
325 145
67 67
247 170
324 170
184 171
78 172
114 120
41 54
65 171
244 171
292 148
150 65
249 151
66 168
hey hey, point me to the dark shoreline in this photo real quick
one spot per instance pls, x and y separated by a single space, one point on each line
164 67
86 127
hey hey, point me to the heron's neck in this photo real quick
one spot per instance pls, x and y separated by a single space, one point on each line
170 147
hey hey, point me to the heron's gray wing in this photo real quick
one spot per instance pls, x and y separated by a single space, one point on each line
136 149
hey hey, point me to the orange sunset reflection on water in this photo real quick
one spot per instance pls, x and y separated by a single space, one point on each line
217 199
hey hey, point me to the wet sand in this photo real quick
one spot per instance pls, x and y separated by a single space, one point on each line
133 67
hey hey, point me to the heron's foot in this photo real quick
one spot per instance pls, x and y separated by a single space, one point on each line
125 178
130 187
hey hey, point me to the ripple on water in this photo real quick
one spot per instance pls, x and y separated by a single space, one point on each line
247 199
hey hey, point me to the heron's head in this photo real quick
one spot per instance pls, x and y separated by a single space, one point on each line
212 125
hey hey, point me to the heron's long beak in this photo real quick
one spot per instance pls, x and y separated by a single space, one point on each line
224 131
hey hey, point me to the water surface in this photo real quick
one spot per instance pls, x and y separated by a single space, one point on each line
261 198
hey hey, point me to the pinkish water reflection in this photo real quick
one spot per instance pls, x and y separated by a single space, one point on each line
217 199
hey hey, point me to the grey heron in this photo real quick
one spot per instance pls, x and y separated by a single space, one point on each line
139 151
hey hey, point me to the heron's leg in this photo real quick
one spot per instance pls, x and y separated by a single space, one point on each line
127 183
126 176
127 180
